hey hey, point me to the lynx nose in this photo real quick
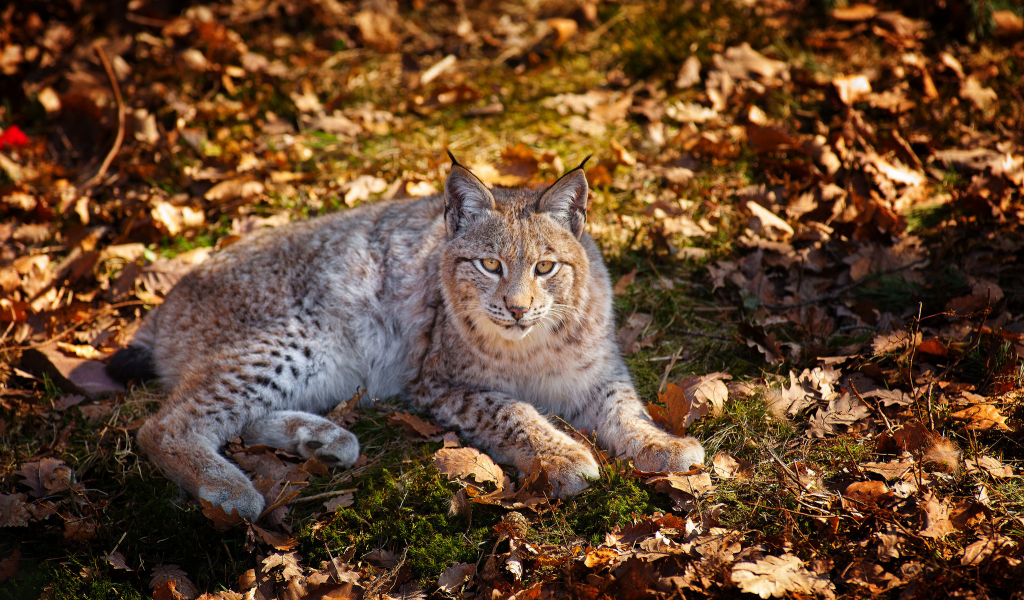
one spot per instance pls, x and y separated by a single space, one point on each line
517 311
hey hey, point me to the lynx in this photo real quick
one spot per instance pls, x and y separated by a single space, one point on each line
489 310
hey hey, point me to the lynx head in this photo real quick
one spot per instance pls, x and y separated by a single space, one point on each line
514 268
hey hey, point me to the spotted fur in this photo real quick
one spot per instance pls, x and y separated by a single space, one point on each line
394 297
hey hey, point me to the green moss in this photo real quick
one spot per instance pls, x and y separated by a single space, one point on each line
614 500
405 507
65 582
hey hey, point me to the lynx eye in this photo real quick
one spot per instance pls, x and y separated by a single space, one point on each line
492 265
544 267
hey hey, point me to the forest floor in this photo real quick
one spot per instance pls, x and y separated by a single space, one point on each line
812 216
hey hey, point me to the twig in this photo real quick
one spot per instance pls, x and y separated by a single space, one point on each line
120 120
888 425
283 498
322 496
836 292
931 417
668 369
913 353
700 334
103 311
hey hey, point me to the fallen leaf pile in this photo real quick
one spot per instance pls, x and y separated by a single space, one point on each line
812 218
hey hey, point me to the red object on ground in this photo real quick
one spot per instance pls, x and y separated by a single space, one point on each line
13 136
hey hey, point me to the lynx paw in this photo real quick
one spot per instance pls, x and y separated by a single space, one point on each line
569 470
245 498
334 446
670 454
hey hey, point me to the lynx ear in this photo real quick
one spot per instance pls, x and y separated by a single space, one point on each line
566 200
466 198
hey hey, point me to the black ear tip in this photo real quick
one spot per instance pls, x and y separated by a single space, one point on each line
452 156
584 161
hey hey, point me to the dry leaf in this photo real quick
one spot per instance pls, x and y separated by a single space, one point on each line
683 486
454 576
376 30
981 417
622 285
288 563
182 584
565 28
630 332
743 62
851 88
863 494
1008 23
981 97
279 541
13 511
595 559
990 465
414 426
680 410
894 469
341 501
222 521
81 351
975 553
232 189
116 560
756 337
935 515
728 467
361 187
689 74
857 12
174 220
47 476
79 530
466 463
708 390
775 576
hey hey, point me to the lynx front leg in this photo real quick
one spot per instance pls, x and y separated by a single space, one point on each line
623 424
311 436
514 432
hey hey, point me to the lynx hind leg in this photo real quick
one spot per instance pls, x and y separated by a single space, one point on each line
306 434
182 447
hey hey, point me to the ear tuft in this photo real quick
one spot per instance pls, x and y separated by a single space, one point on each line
566 200
466 198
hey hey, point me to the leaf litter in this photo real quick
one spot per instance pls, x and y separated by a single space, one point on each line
845 207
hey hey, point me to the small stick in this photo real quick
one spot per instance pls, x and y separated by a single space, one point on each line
322 496
120 120
888 425
700 334
283 498
668 369
99 313
913 353
931 418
